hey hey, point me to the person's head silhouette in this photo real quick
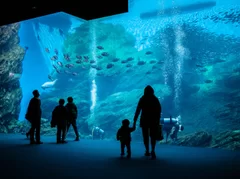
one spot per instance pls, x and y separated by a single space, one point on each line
148 91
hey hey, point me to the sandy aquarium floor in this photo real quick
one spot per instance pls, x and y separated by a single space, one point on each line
91 159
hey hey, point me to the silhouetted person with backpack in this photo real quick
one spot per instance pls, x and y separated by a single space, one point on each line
59 119
72 116
150 109
34 114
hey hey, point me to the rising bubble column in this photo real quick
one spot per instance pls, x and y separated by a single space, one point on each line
181 54
93 72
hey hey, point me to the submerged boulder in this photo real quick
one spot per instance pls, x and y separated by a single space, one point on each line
229 140
198 139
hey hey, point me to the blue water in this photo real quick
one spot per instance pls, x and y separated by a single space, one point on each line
178 71
34 69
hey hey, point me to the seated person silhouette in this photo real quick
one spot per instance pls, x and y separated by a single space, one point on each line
124 135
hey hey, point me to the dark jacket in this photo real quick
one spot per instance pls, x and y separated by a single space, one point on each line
124 133
34 111
72 111
59 116
150 109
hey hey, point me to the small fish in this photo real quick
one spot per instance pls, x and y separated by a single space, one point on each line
55 57
75 74
79 57
92 61
219 61
208 81
130 59
110 65
141 62
38 38
115 60
47 50
79 61
148 73
60 64
86 57
100 47
124 61
99 68
129 65
203 70
58 71
94 66
66 57
50 78
55 67
199 66
69 65
67 72
148 53
56 51
26 48
129 70
99 57
105 54
160 62
61 32
152 62
154 67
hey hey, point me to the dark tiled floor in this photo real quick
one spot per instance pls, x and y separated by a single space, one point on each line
92 159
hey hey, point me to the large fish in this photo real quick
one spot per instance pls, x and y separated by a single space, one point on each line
168 12
48 84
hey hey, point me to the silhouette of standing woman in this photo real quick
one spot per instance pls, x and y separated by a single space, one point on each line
150 107
34 113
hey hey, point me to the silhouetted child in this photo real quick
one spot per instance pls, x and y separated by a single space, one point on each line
124 135
59 119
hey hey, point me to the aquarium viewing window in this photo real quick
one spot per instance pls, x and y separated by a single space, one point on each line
187 50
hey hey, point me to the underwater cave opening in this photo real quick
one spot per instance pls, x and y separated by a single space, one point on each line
35 70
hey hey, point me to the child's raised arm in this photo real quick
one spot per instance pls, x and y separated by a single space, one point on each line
132 128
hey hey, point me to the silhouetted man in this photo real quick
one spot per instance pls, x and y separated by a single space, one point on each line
150 118
34 113
72 116
59 119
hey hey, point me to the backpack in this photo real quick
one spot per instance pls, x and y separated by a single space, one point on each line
54 117
71 110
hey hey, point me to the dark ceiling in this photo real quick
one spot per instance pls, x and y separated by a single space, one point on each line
84 9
